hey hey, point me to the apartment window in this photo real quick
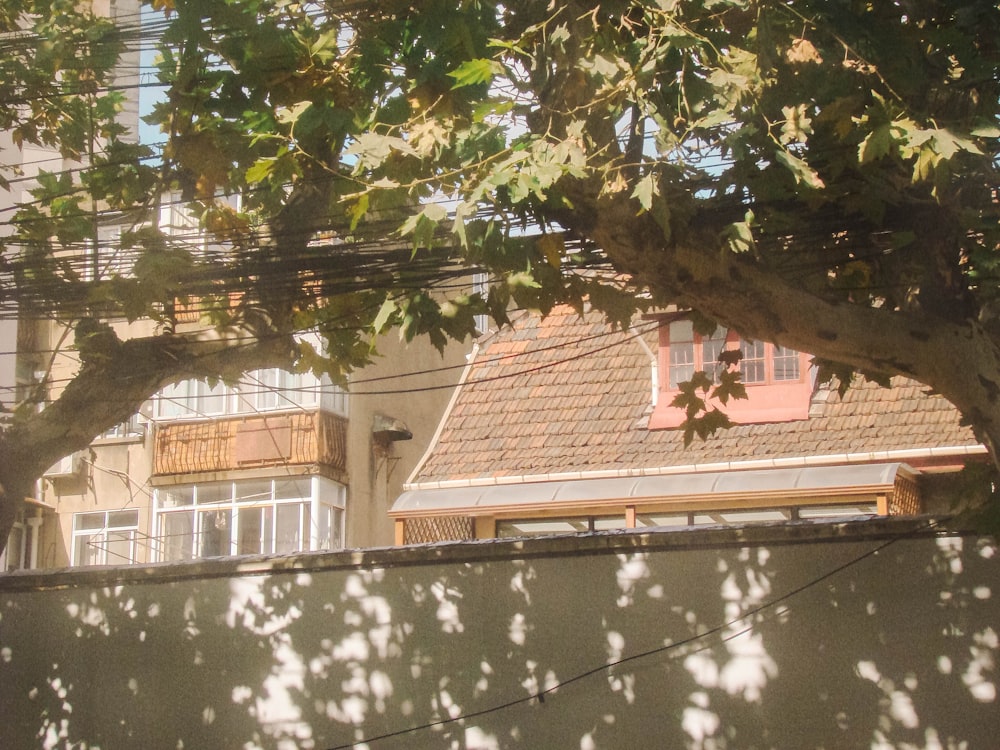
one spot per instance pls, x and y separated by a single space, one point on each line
192 398
131 428
265 390
105 537
249 517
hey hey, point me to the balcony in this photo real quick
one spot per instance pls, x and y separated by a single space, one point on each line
250 442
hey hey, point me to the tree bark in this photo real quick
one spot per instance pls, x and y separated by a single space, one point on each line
111 387
958 359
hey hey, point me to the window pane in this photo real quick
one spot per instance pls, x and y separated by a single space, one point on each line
288 528
786 363
266 383
90 520
245 395
324 525
681 363
267 531
253 492
176 535
337 529
211 399
216 492
173 400
292 489
711 347
87 549
752 363
175 496
334 398
251 529
119 548
123 519
214 533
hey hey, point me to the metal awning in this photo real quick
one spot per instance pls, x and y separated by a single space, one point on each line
799 482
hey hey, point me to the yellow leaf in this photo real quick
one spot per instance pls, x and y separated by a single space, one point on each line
553 247
803 51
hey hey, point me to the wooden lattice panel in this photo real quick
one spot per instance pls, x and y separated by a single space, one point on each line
444 529
905 499
229 443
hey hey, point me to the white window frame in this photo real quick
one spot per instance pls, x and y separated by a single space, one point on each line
99 536
690 352
260 391
221 503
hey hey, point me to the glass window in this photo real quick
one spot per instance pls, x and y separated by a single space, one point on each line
131 428
176 536
711 347
192 398
105 537
759 363
214 492
288 527
250 517
255 534
544 526
214 533
786 363
752 362
681 367
264 390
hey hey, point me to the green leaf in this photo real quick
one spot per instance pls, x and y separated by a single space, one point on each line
260 170
876 144
802 172
645 190
986 131
385 313
472 72
290 115
358 210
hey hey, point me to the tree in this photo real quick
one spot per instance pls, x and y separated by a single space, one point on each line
818 174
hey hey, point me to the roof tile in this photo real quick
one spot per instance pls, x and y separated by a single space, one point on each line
584 404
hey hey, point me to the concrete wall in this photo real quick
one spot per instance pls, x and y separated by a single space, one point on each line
412 383
871 635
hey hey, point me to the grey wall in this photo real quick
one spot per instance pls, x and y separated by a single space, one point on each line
870 636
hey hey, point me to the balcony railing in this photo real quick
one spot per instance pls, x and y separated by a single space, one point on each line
251 441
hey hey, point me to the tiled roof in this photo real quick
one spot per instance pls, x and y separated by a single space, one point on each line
569 394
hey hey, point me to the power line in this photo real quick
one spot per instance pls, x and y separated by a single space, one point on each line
623 339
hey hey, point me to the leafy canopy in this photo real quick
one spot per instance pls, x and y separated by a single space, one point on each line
771 165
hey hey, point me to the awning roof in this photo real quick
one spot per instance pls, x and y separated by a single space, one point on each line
787 482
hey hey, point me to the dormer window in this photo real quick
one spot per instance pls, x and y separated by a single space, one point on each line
776 377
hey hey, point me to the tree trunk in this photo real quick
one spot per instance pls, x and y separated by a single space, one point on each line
110 388
958 359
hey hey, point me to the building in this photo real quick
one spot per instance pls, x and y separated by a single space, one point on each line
565 425
280 462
